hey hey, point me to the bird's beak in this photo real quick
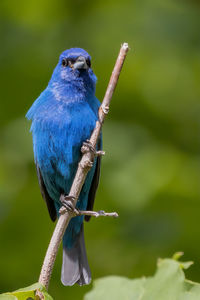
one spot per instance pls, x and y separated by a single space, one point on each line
80 64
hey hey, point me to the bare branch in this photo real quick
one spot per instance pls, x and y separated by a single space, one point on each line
83 168
96 214
100 213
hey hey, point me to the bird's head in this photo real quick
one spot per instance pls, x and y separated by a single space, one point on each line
76 59
74 70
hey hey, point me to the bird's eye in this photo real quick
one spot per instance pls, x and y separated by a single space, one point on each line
64 62
88 62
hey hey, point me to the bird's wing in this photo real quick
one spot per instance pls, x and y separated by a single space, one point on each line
95 183
45 195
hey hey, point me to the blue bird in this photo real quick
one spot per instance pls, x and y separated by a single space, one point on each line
63 117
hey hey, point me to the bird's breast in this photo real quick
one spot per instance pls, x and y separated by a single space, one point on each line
58 138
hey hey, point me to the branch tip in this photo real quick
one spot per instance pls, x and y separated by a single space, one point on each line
125 46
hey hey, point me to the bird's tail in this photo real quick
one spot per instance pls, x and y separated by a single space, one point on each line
75 267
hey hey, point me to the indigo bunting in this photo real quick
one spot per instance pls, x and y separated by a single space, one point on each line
63 117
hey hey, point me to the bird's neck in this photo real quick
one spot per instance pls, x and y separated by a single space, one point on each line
73 91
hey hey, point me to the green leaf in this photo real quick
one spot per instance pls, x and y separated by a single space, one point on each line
7 297
177 255
168 283
27 293
116 287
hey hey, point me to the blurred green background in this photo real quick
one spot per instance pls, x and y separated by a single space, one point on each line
151 172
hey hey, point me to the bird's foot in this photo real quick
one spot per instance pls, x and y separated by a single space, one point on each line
105 109
67 205
88 147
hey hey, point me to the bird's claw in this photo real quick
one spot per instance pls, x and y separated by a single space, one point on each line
105 109
87 146
67 203
77 212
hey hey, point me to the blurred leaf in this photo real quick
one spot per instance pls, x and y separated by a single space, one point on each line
7 297
15 153
34 13
144 167
168 283
177 255
116 287
27 293
17 141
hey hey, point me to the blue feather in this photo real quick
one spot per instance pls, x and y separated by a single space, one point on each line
63 117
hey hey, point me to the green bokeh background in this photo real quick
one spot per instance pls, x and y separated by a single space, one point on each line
151 171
